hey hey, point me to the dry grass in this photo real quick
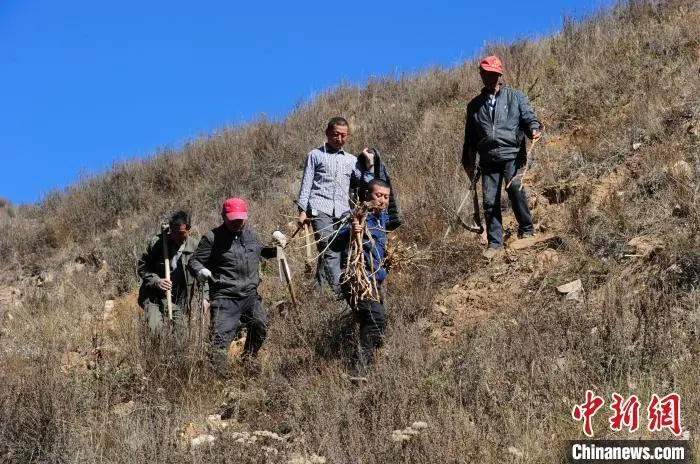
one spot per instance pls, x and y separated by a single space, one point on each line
487 355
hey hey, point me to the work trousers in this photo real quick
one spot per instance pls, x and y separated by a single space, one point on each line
371 317
328 263
226 317
157 315
493 175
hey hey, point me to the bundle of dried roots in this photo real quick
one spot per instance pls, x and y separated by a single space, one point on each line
359 284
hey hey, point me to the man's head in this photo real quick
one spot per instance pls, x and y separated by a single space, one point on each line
337 132
490 69
234 212
179 226
378 194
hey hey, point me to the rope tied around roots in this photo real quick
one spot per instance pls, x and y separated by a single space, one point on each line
360 284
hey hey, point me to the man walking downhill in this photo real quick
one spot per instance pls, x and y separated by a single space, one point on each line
229 257
369 311
154 285
324 196
496 124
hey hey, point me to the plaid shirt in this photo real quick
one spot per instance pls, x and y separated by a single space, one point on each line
325 185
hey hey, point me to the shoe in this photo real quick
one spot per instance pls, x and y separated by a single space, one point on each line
491 253
526 234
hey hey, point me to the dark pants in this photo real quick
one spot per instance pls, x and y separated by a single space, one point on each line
372 319
226 317
492 176
328 263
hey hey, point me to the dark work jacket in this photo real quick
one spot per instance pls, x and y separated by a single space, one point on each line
233 259
501 137
151 268
360 188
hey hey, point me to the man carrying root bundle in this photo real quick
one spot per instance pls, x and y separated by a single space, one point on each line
363 245
330 173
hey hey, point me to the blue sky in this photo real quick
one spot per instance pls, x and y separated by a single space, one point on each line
84 84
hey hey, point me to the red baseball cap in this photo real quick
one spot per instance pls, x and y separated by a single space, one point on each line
235 208
492 64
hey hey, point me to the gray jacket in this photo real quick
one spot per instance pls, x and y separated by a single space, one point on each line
233 259
501 137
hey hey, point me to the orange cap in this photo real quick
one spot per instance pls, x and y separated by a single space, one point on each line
492 64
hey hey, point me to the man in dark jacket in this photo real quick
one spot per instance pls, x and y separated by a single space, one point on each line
369 311
151 270
496 125
229 257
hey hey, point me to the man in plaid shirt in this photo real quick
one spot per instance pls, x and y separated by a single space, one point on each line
324 196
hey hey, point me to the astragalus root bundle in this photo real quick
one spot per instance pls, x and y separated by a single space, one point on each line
359 284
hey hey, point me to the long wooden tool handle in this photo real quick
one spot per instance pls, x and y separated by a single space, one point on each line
288 277
284 268
307 238
168 293
166 261
200 329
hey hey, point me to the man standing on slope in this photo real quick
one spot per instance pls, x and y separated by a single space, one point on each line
324 196
229 257
151 270
496 124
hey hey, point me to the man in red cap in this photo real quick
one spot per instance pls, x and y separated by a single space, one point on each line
229 257
497 122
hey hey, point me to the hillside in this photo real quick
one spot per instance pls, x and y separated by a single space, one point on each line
489 355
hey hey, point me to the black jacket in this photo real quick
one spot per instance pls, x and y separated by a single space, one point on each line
500 137
233 259
360 189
